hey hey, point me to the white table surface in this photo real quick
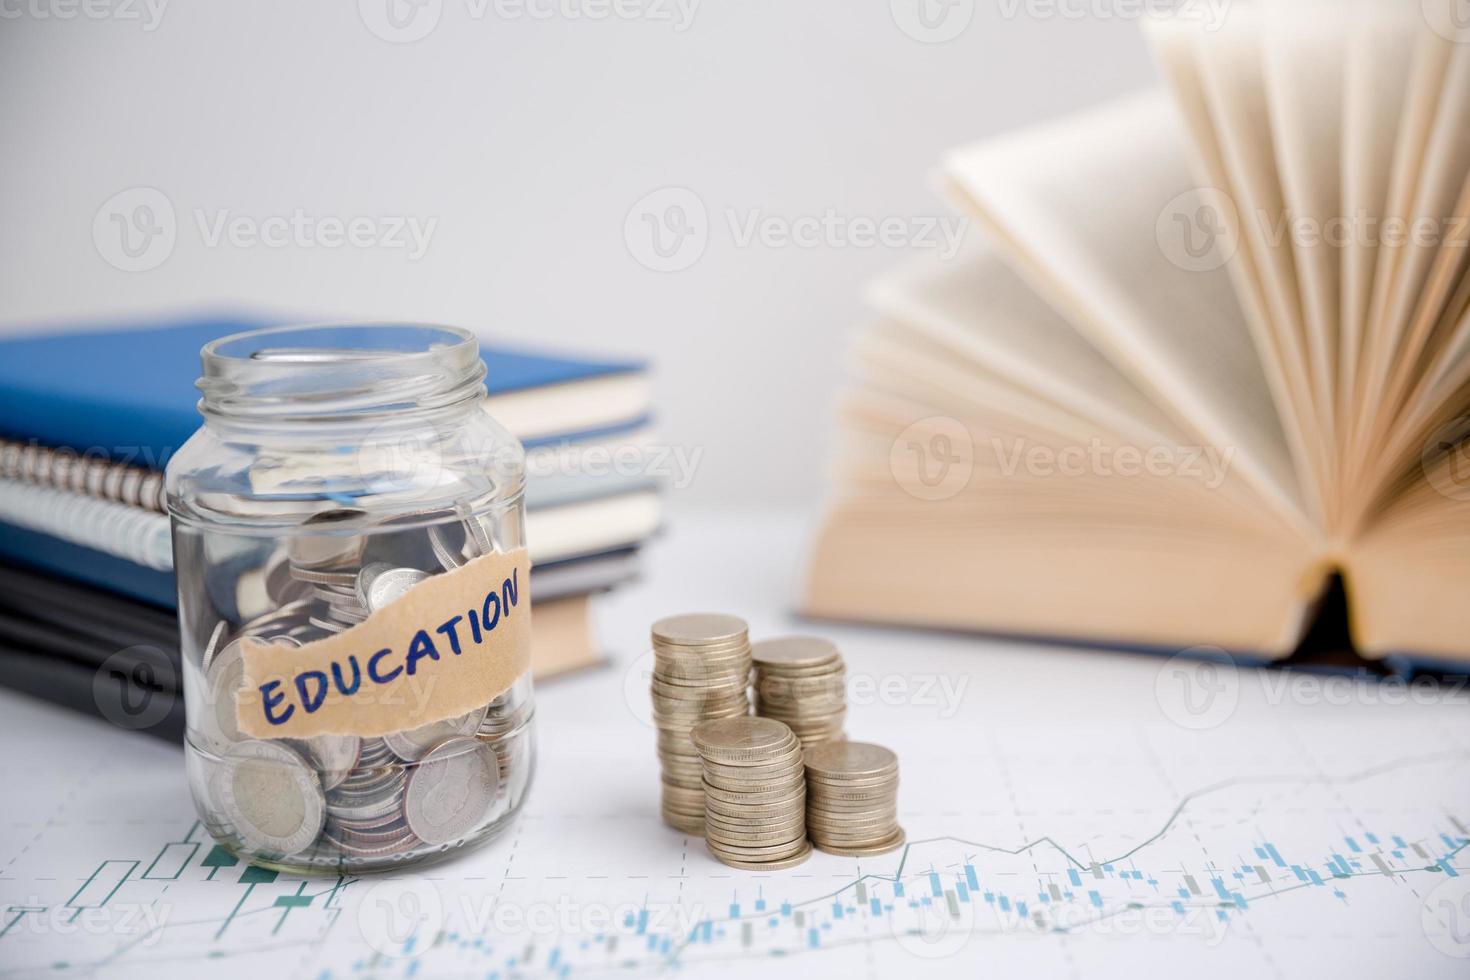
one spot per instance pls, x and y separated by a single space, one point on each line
1080 783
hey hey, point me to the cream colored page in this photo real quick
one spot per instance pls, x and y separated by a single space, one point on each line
1380 46
975 305
1091 242
1439 186
1280 354
1305 56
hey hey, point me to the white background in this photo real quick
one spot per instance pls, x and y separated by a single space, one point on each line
530 140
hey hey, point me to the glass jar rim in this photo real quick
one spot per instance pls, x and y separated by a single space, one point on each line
215 349
339 370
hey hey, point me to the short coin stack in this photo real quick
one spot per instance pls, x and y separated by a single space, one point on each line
701 672
755 798
801 680
852 798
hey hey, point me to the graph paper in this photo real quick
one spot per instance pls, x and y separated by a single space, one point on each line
1061 830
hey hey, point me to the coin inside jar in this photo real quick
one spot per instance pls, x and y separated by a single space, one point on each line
379 585
451 790
271 797
412 744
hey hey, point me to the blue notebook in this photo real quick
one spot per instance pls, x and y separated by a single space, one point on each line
128 388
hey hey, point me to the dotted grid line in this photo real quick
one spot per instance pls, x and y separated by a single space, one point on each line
1189 823
1009 785
66 801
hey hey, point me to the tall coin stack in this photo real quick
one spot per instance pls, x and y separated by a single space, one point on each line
701 672
852 798
801 680
755 797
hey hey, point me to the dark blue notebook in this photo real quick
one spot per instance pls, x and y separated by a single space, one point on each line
127 389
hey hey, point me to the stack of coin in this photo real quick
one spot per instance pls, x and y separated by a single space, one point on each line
852 798
701 672
801 680
755 799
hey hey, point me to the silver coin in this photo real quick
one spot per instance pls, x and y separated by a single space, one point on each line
226 675
379 585
451 790
326 551
271 797
212 647
446 553
333 756
411 745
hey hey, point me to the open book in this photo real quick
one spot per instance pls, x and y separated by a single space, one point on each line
1214 350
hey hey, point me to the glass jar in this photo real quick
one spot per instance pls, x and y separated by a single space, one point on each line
346 480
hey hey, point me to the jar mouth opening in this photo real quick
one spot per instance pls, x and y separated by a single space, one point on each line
336 371
313 344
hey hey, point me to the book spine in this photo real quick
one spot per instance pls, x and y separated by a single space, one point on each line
66 469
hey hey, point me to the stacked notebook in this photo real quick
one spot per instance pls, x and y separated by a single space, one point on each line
1207 355
89 418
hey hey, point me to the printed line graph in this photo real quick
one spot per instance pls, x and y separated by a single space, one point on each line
957 881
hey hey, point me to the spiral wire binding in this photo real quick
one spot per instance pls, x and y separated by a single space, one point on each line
125 531
65 469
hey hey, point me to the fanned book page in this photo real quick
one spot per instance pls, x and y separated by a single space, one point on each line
1268 264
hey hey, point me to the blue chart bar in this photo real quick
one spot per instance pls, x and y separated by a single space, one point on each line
642 921
813 939
934 884
1444 865
1275 855
970 878
875 906
962 892
898 889
1074 877
1353 845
